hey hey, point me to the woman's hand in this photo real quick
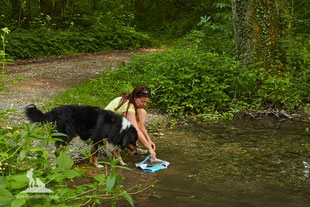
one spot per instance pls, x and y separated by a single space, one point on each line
153 145
152 153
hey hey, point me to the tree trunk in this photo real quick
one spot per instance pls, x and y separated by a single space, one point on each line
46 7
140 5
94 4
58 8
16 10
257 29
28 14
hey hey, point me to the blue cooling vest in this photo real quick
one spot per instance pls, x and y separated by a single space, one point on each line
147 166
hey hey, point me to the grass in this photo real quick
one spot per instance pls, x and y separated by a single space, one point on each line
94 92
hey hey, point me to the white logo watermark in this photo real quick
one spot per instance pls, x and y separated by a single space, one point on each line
35 186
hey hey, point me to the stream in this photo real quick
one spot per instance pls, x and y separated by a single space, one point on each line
238 163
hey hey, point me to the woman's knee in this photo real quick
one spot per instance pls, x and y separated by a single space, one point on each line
142 115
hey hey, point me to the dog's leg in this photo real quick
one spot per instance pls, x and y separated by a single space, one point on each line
132 149
60 147
93 158
65 140
112 148
108 148
118 155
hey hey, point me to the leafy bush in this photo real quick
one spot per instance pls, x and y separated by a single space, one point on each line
279 92
43 43
211 38
295 74
213 33
191 81
181 81
20 154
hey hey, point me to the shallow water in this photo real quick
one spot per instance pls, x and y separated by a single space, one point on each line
231 164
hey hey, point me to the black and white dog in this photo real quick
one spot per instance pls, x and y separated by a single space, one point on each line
89 123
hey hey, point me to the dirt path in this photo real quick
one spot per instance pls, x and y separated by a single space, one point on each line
49 76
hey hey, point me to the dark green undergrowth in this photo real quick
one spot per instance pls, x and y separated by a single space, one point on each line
194 82
27 150
46 42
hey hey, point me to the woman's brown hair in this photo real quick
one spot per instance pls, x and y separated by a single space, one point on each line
138 92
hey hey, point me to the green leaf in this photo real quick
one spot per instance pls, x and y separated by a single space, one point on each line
38 205
19 178
18 202
86 152
24 134
111 181
22 155
66 193
72 173
100 178
21 196
64 161
62 191
5 196
46 154
2 182
18 181
35 149
58 178
56 134
127 197
3 154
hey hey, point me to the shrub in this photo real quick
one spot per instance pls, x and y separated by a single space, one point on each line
279 92
43 42
191 81
181 80
20 154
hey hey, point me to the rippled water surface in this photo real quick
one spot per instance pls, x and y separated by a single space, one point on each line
231 164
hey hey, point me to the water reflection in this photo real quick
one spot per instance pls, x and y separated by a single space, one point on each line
307 167
232 164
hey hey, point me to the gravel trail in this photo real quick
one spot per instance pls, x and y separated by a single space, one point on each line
44 78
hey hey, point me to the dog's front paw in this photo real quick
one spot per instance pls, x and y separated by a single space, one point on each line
99 166
123 163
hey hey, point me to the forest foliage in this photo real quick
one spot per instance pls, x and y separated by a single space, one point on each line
201 74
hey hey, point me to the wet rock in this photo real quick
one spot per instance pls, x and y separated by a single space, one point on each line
158 134
272 115
282 114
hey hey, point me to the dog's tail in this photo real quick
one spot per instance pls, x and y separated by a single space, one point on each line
34 114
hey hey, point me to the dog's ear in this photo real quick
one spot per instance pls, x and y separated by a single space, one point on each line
127 143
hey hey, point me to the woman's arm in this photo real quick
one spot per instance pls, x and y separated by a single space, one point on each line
144 139
144 131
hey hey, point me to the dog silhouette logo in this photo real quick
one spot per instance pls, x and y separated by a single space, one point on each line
35 186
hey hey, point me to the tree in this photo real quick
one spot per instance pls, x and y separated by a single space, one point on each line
259 26
16 10
46 7
58 7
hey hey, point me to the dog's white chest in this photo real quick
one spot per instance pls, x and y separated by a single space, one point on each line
125 124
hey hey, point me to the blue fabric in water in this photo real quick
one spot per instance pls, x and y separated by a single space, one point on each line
147 166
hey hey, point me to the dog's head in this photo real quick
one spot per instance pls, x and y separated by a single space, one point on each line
130 137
